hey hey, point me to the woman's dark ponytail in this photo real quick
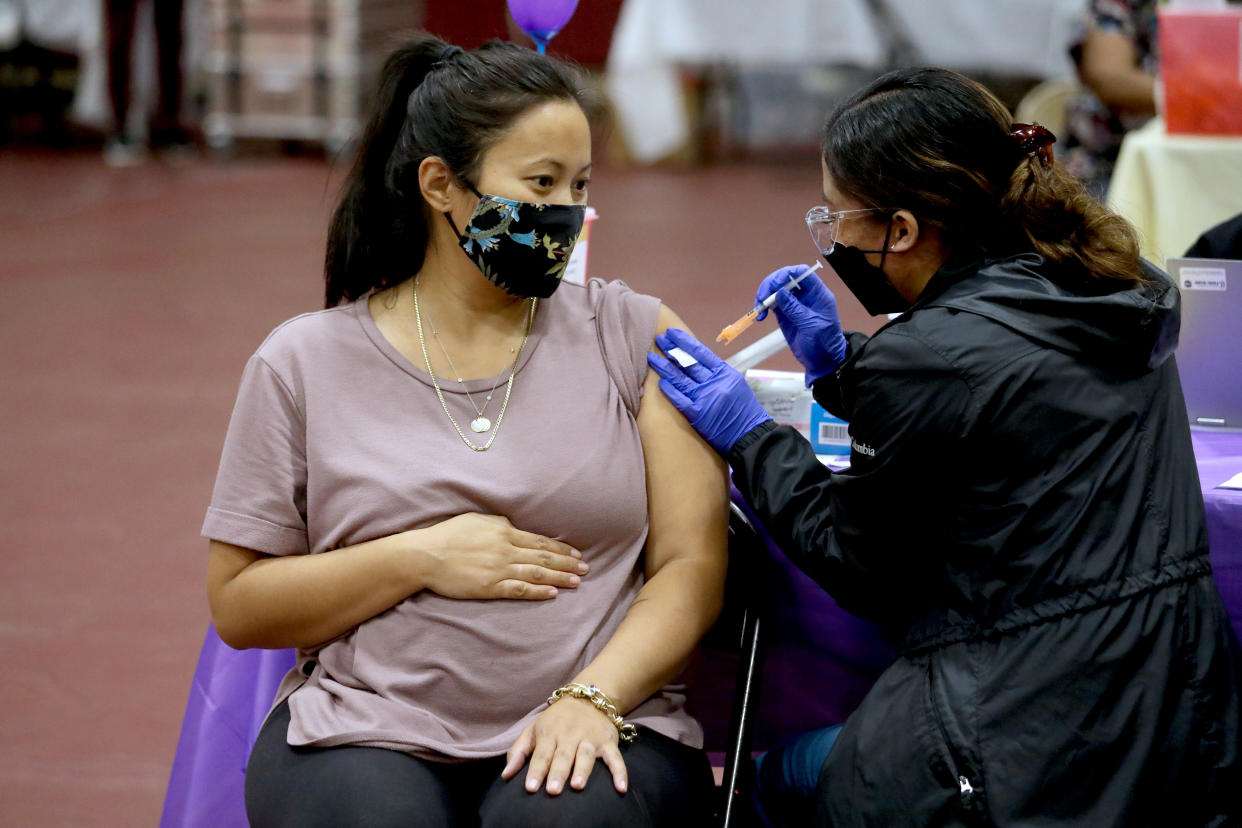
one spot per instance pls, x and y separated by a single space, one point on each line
1064 223
433 99
365 227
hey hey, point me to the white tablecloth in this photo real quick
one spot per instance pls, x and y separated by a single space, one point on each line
652 37
1028 38
1173 187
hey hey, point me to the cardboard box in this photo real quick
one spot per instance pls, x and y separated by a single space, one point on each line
829 434
784 395
1201 70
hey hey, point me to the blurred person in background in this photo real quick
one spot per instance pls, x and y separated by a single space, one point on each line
458 492
1117 59
165 130
1224 241
1022 506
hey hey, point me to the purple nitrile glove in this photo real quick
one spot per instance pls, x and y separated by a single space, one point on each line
711 394
807 314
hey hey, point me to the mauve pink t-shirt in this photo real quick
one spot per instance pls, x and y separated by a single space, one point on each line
336 439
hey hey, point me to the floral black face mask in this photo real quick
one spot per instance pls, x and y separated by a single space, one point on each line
519 246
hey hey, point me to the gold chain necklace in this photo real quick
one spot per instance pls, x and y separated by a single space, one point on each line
480 423
422 343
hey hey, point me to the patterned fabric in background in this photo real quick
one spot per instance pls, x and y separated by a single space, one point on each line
1093 132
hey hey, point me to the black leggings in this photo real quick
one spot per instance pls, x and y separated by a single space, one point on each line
669 784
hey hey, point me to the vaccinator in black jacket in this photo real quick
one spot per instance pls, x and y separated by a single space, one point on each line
1023 499
1021 508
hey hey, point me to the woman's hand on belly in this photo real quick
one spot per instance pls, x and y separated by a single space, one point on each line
486 556
566 739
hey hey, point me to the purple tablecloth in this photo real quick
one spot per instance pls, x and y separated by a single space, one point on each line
820 663
1219 456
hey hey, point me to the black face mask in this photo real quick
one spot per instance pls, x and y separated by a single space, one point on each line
519 246
866 281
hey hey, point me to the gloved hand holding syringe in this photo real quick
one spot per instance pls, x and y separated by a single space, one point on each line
731 332
769 344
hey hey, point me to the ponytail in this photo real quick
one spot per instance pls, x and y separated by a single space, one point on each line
1065 224
434 99
368 238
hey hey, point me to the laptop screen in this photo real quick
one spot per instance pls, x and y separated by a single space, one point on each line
1209 352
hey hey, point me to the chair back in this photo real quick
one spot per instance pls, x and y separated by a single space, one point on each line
1045 104
746 597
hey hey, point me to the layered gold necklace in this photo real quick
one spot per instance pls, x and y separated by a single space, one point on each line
480 423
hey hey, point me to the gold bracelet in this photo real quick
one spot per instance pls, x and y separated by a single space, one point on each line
625 731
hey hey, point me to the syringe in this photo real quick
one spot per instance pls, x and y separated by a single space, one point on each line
731 332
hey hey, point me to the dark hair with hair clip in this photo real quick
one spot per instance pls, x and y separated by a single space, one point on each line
433 99
1034 139
941 146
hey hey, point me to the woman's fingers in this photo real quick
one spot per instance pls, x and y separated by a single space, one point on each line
793 310
584 763
611 754
775 281
563 759
558 552
707 358
683 377
543 559
568 737
518 752
691 364
679 400
540 761
523 590
536 574
674 375
813 292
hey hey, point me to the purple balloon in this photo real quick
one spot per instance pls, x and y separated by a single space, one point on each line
542 19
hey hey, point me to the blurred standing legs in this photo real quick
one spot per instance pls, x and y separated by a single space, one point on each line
165 128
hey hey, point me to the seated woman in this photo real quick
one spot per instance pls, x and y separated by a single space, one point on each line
458 494
1222 241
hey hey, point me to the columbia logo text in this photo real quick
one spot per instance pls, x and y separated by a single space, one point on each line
862 448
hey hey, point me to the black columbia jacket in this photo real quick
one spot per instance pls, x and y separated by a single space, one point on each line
1022 506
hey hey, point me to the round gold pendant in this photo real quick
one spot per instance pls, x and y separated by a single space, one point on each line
480 424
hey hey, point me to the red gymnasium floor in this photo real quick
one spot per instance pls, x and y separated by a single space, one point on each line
131 301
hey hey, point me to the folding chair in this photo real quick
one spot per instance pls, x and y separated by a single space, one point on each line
745 604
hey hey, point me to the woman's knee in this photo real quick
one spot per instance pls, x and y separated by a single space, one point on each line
508 804
346 786
669 784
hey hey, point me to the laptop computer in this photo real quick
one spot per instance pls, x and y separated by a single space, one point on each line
1209 352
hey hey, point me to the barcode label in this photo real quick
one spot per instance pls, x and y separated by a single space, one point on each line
834 433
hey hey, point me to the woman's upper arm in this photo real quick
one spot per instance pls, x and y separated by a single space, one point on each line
225 562
687 483
1110 68
1107 52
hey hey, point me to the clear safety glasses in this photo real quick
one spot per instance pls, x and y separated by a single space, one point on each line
824 223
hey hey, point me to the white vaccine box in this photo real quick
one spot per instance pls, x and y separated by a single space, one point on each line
783 395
